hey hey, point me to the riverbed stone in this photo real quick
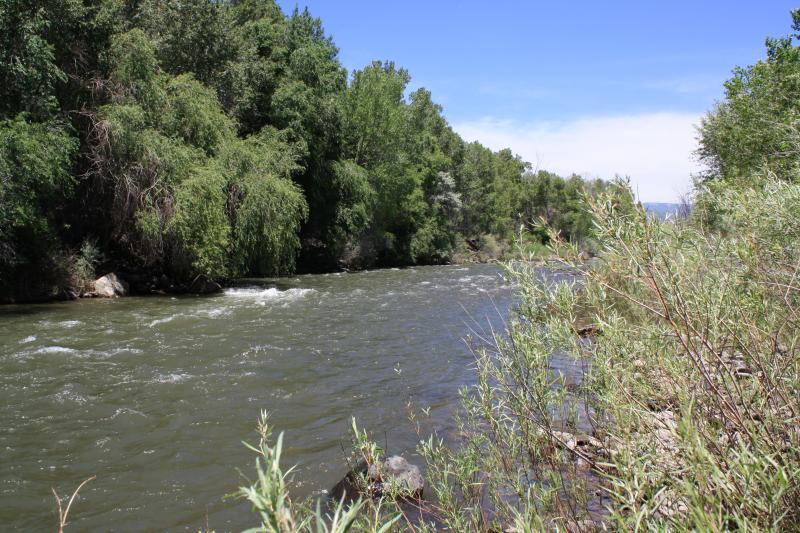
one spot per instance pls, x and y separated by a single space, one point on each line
109 286
583 526
394 476
397 476
670 505
202 284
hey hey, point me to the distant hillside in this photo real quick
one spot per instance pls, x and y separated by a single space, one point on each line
663 210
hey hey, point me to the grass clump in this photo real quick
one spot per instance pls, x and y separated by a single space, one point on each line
269 496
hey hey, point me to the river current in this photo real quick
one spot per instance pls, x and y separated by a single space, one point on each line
155 395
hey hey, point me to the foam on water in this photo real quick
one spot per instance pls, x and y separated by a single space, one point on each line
161 321
262 296
54 349
172 378
126 411
68 395
29 338
216 312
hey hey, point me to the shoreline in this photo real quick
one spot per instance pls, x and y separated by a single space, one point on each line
143 284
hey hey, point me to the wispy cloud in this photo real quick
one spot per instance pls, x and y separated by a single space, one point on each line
654 149
510 90
696 84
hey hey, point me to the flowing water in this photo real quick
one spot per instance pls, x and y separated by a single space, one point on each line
155 395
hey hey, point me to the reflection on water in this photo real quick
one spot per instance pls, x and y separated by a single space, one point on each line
154 395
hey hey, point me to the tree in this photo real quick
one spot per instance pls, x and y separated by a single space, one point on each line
35 179
28 70
756 129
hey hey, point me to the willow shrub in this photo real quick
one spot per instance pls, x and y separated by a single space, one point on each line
270 498
187 194
265 207
690 387
683 416
200 225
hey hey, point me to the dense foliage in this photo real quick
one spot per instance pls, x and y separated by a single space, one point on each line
225 138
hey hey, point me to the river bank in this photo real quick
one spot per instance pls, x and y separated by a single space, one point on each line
118 279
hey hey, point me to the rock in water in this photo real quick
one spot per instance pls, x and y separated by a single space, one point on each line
109 286
398 476
203 285
392 477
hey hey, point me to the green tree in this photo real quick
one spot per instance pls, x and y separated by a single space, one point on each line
756 128
35 180
28 70
195 39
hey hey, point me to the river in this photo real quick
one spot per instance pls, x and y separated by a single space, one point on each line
154 395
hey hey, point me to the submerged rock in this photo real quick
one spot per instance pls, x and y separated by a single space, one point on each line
203 285
109 286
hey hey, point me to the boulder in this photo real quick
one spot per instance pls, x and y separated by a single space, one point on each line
163 283
349 486
398 476
394 476
202 284
109 286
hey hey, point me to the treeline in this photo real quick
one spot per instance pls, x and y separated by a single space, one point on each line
225 138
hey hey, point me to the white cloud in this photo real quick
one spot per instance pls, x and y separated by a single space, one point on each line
654 149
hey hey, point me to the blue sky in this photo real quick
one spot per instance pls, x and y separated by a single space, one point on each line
597 88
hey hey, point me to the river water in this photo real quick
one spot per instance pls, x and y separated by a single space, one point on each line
155 395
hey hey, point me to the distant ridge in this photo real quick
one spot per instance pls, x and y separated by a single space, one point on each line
662 210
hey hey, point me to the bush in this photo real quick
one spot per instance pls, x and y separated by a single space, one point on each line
265 207
688 393
82 266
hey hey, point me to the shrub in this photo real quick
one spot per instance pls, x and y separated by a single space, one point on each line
200 227
653 389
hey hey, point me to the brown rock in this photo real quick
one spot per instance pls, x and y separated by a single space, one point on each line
109 286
